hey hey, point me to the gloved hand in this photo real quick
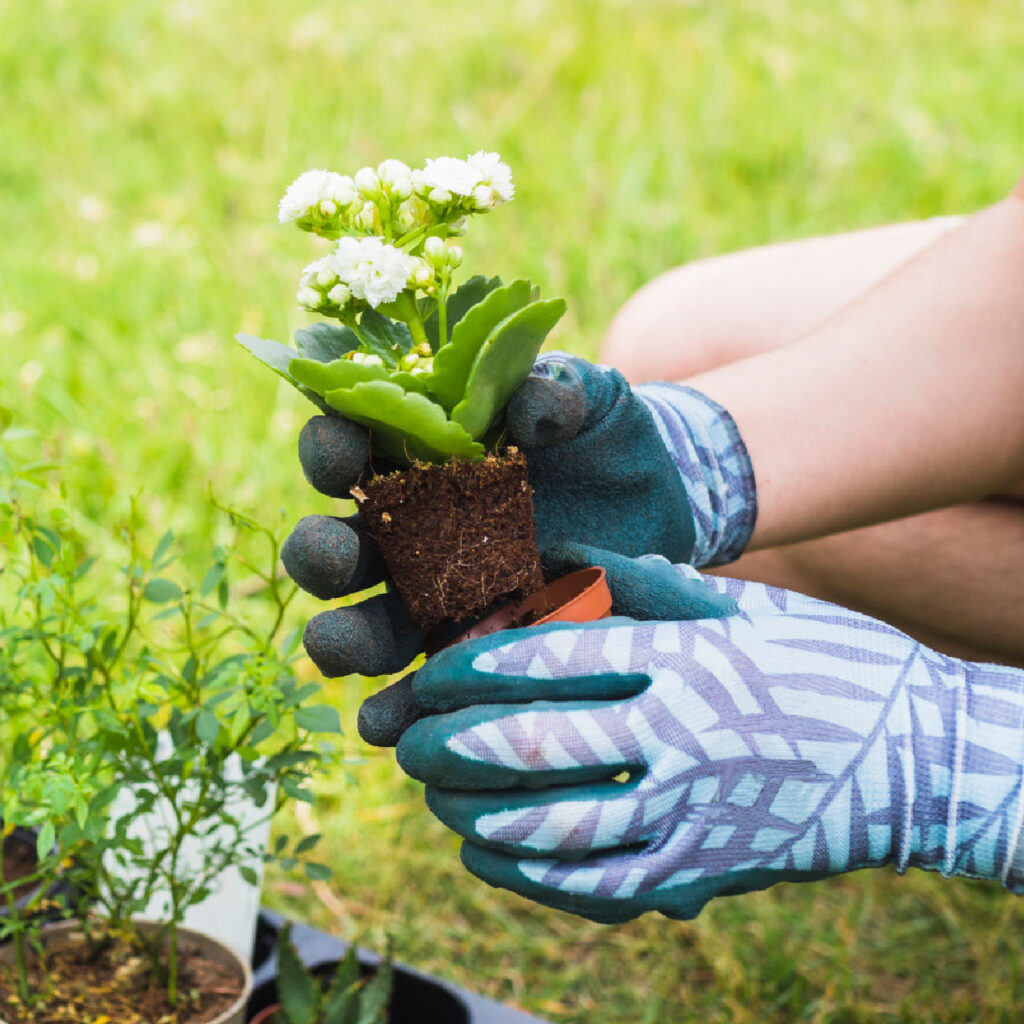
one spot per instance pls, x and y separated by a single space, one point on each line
788 742
658 469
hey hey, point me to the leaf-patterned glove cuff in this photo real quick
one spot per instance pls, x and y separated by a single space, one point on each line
705 444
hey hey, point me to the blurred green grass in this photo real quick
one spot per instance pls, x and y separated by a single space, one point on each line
143 148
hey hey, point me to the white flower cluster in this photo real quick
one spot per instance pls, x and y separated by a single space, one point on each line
366 269
395 200
481 178
316 198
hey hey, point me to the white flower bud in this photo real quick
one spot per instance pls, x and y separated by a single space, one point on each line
407 362
328 207
340 295
420 368
422 274
372 360
396 178
367 182
391 171
366 218
434 250
325 277
413 213
454 256
483 198
439 195
423 349
308 297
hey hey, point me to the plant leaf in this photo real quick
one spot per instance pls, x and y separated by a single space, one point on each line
161 590
342 373
297 991
325 342
207 727
408 381
467 295
503 363
387 338
342 999
403 425
307 843
453 362
277 357
318 718
377 992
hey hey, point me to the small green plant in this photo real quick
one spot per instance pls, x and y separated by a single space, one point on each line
131 680
347 999
426 368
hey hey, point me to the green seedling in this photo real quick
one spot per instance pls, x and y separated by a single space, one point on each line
347 999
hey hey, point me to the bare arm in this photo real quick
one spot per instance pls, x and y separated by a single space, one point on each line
910 399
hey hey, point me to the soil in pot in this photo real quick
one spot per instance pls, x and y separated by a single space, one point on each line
116 986
19 861
457 538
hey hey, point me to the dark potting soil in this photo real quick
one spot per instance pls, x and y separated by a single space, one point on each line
456 538
116 987
19 860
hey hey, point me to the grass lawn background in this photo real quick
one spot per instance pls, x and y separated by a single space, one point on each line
143 148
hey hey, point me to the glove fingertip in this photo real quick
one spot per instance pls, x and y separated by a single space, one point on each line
384 717
321 555
546 411
333 453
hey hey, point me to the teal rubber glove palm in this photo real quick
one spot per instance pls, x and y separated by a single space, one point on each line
631 471
790 741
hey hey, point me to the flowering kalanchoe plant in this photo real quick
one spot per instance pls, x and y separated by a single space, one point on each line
426 368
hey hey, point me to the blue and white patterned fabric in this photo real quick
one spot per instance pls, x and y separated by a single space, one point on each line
790 741
705 444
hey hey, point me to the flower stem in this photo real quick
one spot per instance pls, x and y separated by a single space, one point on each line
442 315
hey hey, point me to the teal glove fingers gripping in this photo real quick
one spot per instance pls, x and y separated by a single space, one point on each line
642 588
791 741
330 557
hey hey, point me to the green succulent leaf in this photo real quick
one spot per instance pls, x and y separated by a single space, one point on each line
454 361
409 381
341 1004
469 294
403 425
342 373
376 994
503 363
278 357
325 342
297 991
387 338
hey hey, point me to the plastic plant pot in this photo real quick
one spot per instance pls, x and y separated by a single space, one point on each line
582 596
417 998
67 933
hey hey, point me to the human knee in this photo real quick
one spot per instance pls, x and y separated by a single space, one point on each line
660 333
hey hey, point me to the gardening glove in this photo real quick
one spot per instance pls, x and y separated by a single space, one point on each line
658 469
791 741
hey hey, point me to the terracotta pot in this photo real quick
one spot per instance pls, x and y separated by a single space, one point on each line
582 596
264 1015
67 933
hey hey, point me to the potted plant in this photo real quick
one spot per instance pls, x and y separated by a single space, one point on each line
428 369
349 997
164 688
